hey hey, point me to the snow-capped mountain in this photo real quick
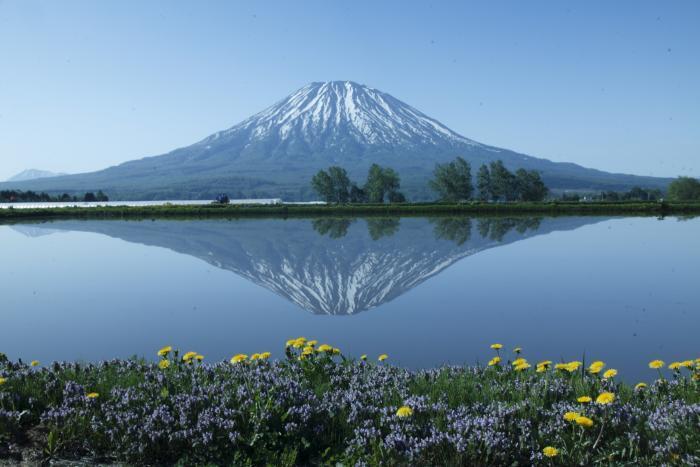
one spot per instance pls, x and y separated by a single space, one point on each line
276 152
341 110
33 174
309 264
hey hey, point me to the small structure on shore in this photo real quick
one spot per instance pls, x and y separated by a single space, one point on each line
222 198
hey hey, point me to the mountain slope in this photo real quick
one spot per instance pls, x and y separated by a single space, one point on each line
275 152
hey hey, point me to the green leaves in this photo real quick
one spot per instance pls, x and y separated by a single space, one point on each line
453 181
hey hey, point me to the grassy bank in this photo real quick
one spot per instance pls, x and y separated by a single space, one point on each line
420 209
313 405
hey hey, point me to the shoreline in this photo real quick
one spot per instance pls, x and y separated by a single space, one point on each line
407 209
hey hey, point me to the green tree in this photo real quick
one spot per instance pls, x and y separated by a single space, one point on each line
453 181
503 184
333 186
357 194
529 185
381 183
396 197
483 183
684 189
321 183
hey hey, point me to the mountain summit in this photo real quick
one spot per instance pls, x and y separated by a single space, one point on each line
338 111
276 152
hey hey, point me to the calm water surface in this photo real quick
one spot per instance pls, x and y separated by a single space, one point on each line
425 291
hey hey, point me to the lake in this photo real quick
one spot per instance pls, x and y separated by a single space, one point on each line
425 291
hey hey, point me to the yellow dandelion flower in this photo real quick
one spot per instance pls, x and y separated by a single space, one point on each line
93 395
307 351
165 351
382 357
336 351
496 346
596 367
238 358
325 348
605 398
3 381
363 357
199 357
404 411
572 366
640 386
163 364
656 364
584 399
255 356
290 343
571 416
674 366
541 369
611 373
312 343
687 364
519 361
545 363
494 361
189 356
522 366
518 350
550 451
584 421
35 363
560 366
265 355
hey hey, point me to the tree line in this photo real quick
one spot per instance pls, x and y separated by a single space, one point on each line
681 189
18 196
451 181
494 182
382 184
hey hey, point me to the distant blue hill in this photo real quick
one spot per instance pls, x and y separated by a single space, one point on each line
33 174
276 152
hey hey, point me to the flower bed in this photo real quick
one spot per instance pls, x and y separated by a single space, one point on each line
315 405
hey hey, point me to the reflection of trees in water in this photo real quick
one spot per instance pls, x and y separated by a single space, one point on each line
379 227
456 229
334 227
495 228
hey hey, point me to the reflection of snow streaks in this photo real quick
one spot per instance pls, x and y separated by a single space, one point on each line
321 274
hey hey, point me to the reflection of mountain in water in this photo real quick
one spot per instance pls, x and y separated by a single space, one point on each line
330 266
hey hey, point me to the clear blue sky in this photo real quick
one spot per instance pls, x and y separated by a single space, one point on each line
610 85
